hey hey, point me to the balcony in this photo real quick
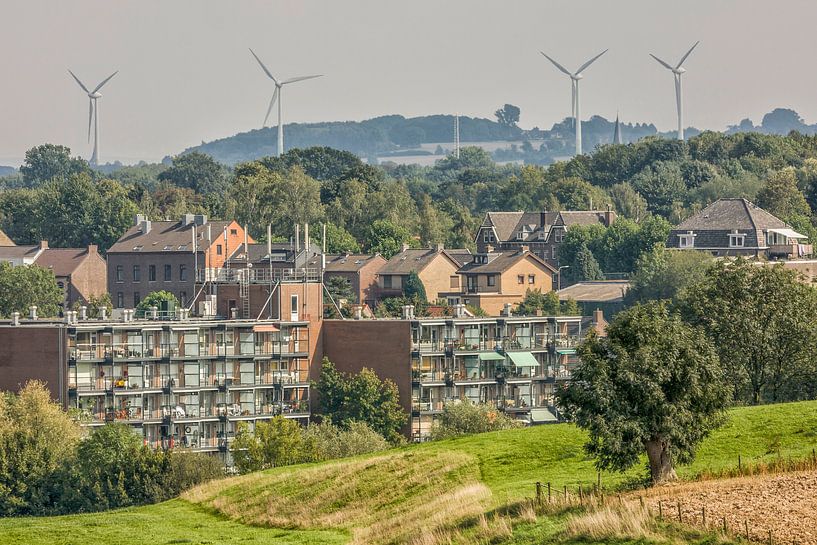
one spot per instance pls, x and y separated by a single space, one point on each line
89 352
258 275
789 251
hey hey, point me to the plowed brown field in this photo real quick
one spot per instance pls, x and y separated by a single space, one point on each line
785 504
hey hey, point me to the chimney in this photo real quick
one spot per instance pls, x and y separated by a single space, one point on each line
15 318
405 246
144 226
489 249
524 248
234 313
32 312
187 219
199 219
103 312
297 238
609 217
408 312
139 219
83 312
358 312
93 249
598 317
506 311
306 236
439 247
43 245
154 312
66 318
542 219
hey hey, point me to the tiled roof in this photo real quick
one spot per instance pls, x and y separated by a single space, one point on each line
63 261
18 252
415 260
168 236
582 217
499 262
598 291
5 240
728 214
508 224
351 262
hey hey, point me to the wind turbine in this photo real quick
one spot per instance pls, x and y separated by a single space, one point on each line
277 96
574 87
677 72
93 112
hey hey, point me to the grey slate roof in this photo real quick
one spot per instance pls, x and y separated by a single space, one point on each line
499 262
171 234
415 260
570 218
18 252
351 262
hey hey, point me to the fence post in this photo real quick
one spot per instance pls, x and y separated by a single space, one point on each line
640 500
581 495
725 529
703 514
746 527
598 486
660 510
770 538
538 493
740 466
548 491
680 519
565 492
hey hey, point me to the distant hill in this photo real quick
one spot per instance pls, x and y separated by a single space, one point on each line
400 139
5 171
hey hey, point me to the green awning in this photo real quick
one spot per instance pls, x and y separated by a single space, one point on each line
569 351
523 359
491 356
542 415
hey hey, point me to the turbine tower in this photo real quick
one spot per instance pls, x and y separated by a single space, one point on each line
277 96
677 72
93 113
574 88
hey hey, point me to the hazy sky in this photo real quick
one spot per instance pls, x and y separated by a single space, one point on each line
186 75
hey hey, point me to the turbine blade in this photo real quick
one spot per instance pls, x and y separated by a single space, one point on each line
264 68
557 65
104 81
687 55
90 116
665 65
271 104
80 83
299 78
591 61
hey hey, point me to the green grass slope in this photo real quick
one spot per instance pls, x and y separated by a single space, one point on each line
431 485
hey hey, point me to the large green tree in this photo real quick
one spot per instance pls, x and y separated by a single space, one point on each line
26 285
47 162
386 238
196 171
665 274
273 443
761 318
362 397
652 386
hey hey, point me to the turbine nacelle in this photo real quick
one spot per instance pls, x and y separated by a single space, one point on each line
94 95
680 70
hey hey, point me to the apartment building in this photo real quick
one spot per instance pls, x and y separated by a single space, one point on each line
166 255
513 363
542 232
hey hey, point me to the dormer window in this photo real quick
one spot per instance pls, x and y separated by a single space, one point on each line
736 240
687 240
520 235
487 236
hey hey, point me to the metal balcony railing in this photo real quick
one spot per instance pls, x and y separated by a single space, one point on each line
258 275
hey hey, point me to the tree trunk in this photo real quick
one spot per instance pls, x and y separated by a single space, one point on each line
661 469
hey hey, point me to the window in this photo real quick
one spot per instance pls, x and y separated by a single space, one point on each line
218 249
119 271
293 308
168 273
120 299
491 279
234 232
553 252
137 274
387 282
531 279
61 285
182 272
136 299
152 273
686 241
736 240
487 236
520 278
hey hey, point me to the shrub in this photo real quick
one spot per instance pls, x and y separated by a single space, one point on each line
325 441
466 418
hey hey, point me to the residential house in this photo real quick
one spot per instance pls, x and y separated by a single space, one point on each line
737 227
436 267
360 270
81 273
167 255
604 295
542 232
495 281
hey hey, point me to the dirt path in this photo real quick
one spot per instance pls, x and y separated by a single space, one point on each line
785 504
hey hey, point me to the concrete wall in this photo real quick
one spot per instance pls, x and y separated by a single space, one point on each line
34 353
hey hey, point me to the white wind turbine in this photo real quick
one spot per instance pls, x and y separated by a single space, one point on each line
93 112
574 86
277 96
677 71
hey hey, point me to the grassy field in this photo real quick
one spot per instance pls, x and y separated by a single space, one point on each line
385 497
